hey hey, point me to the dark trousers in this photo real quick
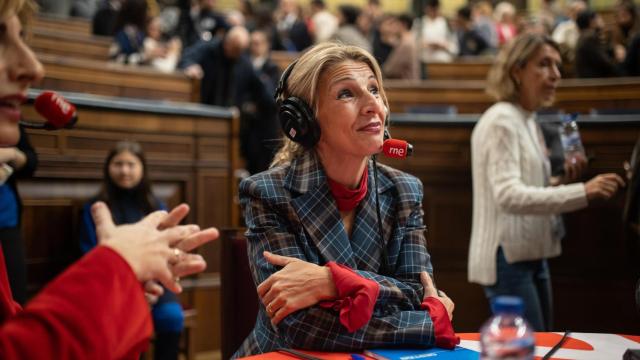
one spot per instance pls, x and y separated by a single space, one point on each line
14 257
529 280
167 346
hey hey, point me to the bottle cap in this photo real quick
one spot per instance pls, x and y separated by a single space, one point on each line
507 304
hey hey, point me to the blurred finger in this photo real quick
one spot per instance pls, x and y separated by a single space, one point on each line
606 193
427 283
614 178
190 264
177 256
175 216
103 220
569 170
153 288
280 314
196 240
264 287
274 307
278 260
151 298
169 281
154 219
270 297
176 234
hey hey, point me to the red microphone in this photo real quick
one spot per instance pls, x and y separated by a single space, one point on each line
57 110
396 148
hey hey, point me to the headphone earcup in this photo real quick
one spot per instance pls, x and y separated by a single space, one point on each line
298 122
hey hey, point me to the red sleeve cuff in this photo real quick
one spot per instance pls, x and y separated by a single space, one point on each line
356 297
445 336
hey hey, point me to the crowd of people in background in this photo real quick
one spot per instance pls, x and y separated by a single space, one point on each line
230 50
155 32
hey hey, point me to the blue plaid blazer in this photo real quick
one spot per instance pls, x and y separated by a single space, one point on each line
290 211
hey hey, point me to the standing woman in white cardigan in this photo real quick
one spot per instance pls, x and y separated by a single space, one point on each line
516 202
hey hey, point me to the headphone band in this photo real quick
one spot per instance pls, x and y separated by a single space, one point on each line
282 83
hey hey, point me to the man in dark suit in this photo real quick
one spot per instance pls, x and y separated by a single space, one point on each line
260 53
593 59
228 79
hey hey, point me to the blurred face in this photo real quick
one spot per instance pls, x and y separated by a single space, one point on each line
18 69
431 11
259 45
125 169
288 6
208 4
350 111
154 29
623 17
598 22
235 43
539 78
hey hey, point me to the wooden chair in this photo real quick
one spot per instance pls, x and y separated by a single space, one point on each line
239 296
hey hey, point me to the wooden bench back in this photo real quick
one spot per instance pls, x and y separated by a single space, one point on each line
111 79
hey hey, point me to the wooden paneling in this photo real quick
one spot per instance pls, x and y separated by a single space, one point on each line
63 43
69 24
599 264
471 68
111 79
573 95
189 159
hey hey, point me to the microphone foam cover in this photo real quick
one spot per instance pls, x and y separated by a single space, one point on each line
396 148
56 109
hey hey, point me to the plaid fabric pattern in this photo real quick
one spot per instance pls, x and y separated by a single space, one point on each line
289 211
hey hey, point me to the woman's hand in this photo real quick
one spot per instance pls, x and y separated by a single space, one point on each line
603 186
430 290
152 292
574 168
155 246
298 285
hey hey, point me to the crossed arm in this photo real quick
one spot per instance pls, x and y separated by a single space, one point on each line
297 288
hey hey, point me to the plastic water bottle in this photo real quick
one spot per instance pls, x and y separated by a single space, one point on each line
507 335
570 137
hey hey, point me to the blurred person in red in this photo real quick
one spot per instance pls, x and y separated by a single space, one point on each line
96 309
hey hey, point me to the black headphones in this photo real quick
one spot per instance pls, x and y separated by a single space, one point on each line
296 117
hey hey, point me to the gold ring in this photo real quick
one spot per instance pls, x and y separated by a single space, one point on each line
270 309
177 254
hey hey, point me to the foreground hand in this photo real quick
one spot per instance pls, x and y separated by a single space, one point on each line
147 245
430 290
298 285
603 186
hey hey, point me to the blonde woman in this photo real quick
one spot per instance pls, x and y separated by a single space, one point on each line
326 276
96 309
516 202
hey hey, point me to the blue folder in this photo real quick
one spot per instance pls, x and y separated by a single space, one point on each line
459 353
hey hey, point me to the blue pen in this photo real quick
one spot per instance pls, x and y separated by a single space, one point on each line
357 357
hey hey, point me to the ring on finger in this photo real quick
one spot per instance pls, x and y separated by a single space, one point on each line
177 255
270 309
